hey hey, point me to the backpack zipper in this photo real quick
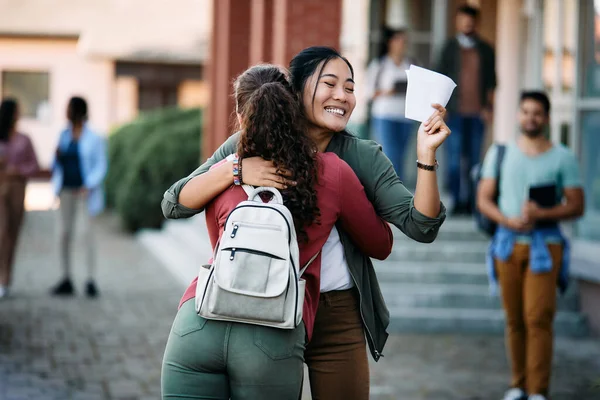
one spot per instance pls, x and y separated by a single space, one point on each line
234 250
237 225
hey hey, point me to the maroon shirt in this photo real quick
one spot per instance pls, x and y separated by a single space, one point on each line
340 196
18 153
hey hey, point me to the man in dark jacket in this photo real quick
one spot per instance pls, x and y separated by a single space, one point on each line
470 62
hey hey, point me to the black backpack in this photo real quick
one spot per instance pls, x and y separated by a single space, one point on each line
485 224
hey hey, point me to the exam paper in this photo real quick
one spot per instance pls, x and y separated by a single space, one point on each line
426 87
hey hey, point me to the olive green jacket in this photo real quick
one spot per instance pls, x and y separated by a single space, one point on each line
391 200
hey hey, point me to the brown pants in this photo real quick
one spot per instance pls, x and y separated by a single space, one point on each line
12 207
529 300
337 354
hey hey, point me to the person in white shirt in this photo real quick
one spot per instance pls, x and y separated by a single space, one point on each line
386 87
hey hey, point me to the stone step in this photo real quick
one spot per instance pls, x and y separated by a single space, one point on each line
412 272
456 296
452 320
454 228
439 251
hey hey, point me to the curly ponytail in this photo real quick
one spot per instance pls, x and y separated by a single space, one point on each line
273 128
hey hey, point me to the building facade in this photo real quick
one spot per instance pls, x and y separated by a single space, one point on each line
50 52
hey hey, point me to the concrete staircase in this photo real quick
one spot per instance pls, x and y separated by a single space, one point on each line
437 287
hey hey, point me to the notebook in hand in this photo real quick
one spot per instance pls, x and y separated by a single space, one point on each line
545 197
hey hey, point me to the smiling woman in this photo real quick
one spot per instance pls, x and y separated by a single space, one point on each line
332 101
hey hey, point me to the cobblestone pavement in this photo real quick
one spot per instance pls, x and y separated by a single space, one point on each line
111 347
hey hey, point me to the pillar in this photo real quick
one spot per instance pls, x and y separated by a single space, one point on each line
230 56
261 34
508 43
300 24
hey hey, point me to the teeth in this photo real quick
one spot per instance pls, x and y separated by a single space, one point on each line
335 111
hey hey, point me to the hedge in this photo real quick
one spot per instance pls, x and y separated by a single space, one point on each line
125 141
146 157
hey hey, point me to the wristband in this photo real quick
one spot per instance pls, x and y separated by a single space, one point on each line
237 172
427 167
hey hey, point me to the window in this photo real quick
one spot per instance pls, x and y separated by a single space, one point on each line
590 49
589 226
31 89
560 43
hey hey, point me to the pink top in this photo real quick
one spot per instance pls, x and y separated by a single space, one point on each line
18 152
340 196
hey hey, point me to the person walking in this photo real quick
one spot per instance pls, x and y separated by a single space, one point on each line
470 62
352 313
18 163
539 186
77 175
221 360
386 88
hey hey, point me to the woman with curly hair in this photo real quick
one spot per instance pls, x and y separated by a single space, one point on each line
223 360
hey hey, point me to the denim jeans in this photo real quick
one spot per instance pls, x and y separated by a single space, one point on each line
463 149
206 359
393 136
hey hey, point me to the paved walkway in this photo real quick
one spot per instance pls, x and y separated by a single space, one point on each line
111 348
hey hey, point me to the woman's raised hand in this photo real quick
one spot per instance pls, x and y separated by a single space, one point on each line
432 133
259 172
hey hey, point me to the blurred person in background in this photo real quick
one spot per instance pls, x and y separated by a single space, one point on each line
18 163
386 88
539 186
470 62
77 176
351 313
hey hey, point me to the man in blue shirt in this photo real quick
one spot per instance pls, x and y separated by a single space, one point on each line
539 186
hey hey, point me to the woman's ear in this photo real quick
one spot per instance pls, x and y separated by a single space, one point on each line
239 118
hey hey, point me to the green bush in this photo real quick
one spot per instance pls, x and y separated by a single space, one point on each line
125 141
147 156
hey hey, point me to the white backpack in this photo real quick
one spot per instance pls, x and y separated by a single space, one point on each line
255 277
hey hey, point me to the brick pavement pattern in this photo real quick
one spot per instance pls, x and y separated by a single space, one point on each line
111 348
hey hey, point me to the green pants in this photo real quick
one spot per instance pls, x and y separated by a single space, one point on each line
206 359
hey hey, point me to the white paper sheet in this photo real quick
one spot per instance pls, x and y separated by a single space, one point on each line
426 87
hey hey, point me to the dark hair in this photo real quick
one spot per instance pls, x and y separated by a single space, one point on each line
468 10
274 129
537 96
388 34
305 64
8 117
77 110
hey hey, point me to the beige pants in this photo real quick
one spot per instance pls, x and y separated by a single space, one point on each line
73 211
12 207
529 300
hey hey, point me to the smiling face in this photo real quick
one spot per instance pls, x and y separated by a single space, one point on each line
328 98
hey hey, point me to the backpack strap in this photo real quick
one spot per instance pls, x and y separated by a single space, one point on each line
499 159
308 263
248 189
